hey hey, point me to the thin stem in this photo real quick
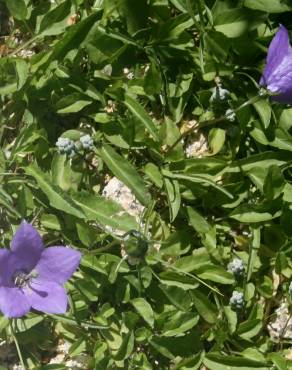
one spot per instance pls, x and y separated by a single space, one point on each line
211 122
83 324
26 44
188 274
10 174
28 27
17 346
283 332
105 248
190 9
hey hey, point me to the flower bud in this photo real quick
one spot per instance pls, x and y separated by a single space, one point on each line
237 301
136 246
219 94
66 146
236 267
86 142
230 115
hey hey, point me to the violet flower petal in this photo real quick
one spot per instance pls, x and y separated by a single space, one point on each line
4 263
47 296
13 302
27 244
277 50
58 264
277 75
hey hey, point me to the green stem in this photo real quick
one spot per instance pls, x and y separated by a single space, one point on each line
83 324
211 122
23 46
105 248
28 27
191 12
188 274
200 5
17 346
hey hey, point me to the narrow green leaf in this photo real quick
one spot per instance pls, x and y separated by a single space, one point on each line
215 361
17 8
144 309
205 308
57 197
105 211
173 196
125 172
254 248
139 112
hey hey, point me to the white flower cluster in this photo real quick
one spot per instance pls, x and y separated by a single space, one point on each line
236 267
219 94
230 115
237 300
69 147
66 146
86 142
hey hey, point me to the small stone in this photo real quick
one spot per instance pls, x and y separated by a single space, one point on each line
197 145
290 288
281 324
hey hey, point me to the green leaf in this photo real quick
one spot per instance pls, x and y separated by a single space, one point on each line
264 110
274 183
55 21
282 139
255 246
173 28
216 140
139 112
173 197
269 6
177 296
204 307
22 72
255 213
215 273
74 37
58 199
201 179
72 103
217 362
126 347
152 171
17 8
51 222
152 80
236 22
199 258
197 221
135 13
279 360
180 323
144 310
125 172
105 211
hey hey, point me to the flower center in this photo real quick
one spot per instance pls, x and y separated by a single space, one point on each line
22 279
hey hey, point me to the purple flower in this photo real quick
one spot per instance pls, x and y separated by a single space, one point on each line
32 276
277 76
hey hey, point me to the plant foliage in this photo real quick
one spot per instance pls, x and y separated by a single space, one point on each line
142 78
